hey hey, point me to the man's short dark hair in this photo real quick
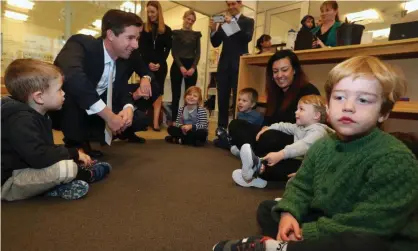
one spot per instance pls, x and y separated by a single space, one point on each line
117 20
252 92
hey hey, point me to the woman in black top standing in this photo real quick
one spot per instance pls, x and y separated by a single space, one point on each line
155 45
186 55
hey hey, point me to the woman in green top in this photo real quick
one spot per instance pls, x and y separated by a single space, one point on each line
326 33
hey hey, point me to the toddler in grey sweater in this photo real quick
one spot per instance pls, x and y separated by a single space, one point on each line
310 126
304 137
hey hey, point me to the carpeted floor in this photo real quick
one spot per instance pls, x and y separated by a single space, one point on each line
158 197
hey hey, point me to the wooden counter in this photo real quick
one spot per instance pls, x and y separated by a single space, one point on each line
399 49
252 71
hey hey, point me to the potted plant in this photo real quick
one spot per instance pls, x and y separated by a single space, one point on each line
349 33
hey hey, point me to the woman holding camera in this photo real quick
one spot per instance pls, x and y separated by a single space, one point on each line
186 55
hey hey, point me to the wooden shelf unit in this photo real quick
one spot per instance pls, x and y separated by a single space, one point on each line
252 71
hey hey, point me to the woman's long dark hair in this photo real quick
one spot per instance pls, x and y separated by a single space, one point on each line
260 40
299 80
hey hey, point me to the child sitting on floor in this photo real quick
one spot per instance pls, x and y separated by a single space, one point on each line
247 101
310 126
356 189
30 162
191 127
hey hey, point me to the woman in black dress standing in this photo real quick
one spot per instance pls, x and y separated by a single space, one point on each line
155 46
186 55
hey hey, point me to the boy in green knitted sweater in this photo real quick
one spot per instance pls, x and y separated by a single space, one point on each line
356 189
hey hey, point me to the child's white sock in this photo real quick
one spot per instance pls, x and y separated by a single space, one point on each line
235 151
273 245
246 155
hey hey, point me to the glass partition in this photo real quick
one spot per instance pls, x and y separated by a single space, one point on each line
282 22
28 32
39 29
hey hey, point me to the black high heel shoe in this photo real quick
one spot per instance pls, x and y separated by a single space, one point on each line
156 129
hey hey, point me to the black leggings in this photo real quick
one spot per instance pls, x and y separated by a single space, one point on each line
341 242
197 137
176 77
243 132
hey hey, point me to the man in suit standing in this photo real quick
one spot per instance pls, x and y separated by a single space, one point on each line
233 47
96 71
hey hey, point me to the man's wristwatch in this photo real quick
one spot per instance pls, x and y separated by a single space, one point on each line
147 77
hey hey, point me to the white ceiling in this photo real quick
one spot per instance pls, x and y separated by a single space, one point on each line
49 14
207 8
268 5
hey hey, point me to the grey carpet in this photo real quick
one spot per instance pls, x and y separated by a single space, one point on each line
158 197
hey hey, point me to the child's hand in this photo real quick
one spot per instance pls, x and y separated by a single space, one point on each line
186 128
291 175
265 128
84 158
289 229
274 158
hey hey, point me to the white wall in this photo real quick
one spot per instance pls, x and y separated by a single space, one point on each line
280 28
259 29
268 21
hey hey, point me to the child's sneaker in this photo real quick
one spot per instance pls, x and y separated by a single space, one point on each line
70 191
251 164
255 182
235 151
221 132
223 140
172 140
99 170
257 243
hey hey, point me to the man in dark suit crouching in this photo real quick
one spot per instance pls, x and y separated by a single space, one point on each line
98 102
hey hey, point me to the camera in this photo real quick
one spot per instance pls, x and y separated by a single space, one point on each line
218 19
